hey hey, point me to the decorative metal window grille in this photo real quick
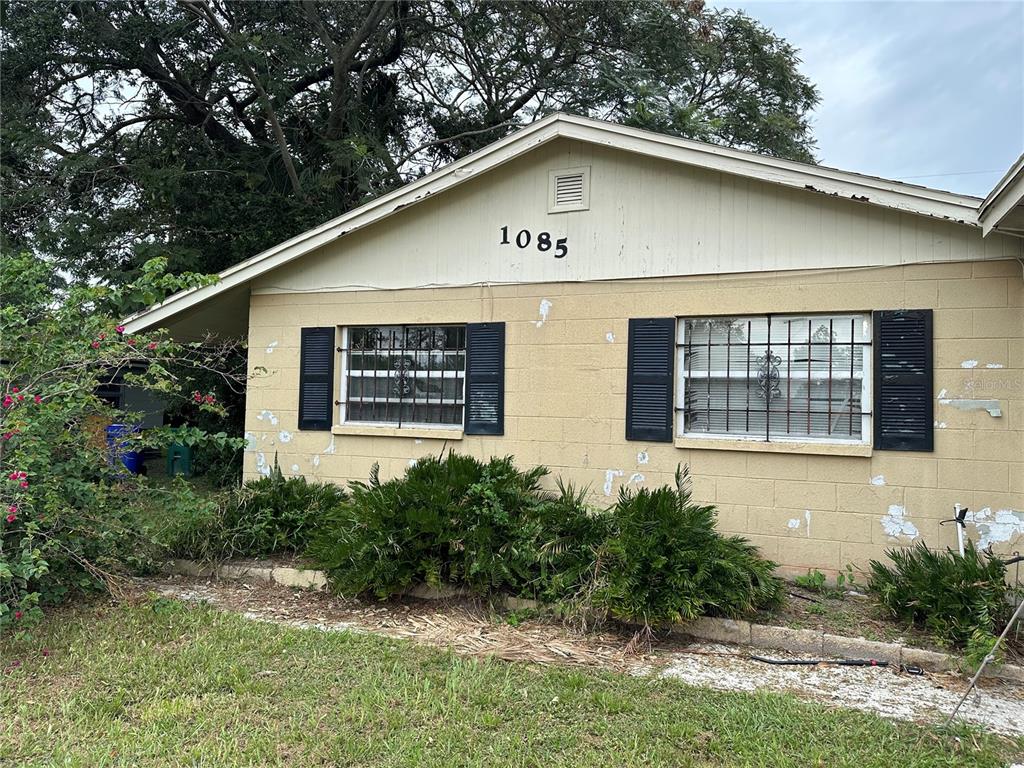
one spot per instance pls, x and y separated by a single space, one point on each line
404 375
772 377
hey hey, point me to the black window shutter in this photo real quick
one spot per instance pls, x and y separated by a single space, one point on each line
903 405
485 379
316 379
650 375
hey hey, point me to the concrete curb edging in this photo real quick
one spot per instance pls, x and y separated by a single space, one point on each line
733 631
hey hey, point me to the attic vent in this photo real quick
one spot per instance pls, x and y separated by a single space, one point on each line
569 189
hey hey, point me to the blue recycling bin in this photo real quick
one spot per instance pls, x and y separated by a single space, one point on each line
116 442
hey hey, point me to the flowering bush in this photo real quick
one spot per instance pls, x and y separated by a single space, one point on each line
68 522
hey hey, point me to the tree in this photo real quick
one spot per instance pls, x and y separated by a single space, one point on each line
209 130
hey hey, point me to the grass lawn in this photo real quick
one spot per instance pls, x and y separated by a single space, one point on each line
163 684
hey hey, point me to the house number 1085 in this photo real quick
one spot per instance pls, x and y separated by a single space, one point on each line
544 242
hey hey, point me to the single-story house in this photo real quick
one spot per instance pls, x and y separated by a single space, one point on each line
838 358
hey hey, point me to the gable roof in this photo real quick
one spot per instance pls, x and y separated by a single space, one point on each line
908 198
1003 209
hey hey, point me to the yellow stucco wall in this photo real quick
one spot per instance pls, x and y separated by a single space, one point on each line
565 401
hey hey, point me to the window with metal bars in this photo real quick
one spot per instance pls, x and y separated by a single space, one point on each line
404 375
775 377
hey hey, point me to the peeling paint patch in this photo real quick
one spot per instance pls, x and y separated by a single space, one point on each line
295 468
250 441
609 337
992 406
636 478
315 461
878 480
609 479
642 457
270 347
794 523
896 524
998 527
418 440
267 416
994 365
330 447
544 309
261 464
969 364
939 425
807 517
284 436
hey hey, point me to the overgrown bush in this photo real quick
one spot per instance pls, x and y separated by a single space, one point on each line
276 514
664 562
67 515
954 596
655 557
449 520
268 516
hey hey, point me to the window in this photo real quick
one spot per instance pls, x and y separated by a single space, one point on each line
404 375
772 377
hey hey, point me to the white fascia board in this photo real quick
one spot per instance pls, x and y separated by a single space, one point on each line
962 209
868 189
1007 194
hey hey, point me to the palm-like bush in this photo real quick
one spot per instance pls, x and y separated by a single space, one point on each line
664 561
450 520
952 595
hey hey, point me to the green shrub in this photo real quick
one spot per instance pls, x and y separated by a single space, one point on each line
951 595
276 514
449 520
664 562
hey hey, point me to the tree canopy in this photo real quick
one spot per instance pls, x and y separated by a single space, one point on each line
208 130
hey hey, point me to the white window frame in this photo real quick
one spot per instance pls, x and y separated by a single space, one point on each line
344 374
865 390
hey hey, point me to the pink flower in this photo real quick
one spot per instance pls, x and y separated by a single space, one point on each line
95 345
15 390
12 476
23 483
18 615
21 398
8 401
131 342
103 336
120 329
13 508
11 517
151 345
45 651
8 435
38 399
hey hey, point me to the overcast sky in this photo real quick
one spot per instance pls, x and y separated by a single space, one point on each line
911 89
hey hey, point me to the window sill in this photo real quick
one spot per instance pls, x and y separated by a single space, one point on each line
762 446
384 430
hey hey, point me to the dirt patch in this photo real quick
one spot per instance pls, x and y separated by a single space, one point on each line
471 628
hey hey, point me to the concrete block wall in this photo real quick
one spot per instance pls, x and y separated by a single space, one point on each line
803 505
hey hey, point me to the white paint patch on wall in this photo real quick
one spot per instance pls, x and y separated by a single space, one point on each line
993 365
807 517
295 469
315 461
896 524
544 309
609 479
609 337
636 478
267 416
270 347
793 524
250 441
969 364
284 436
642 457
329 450
996 527
878 480
939 425
261 464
